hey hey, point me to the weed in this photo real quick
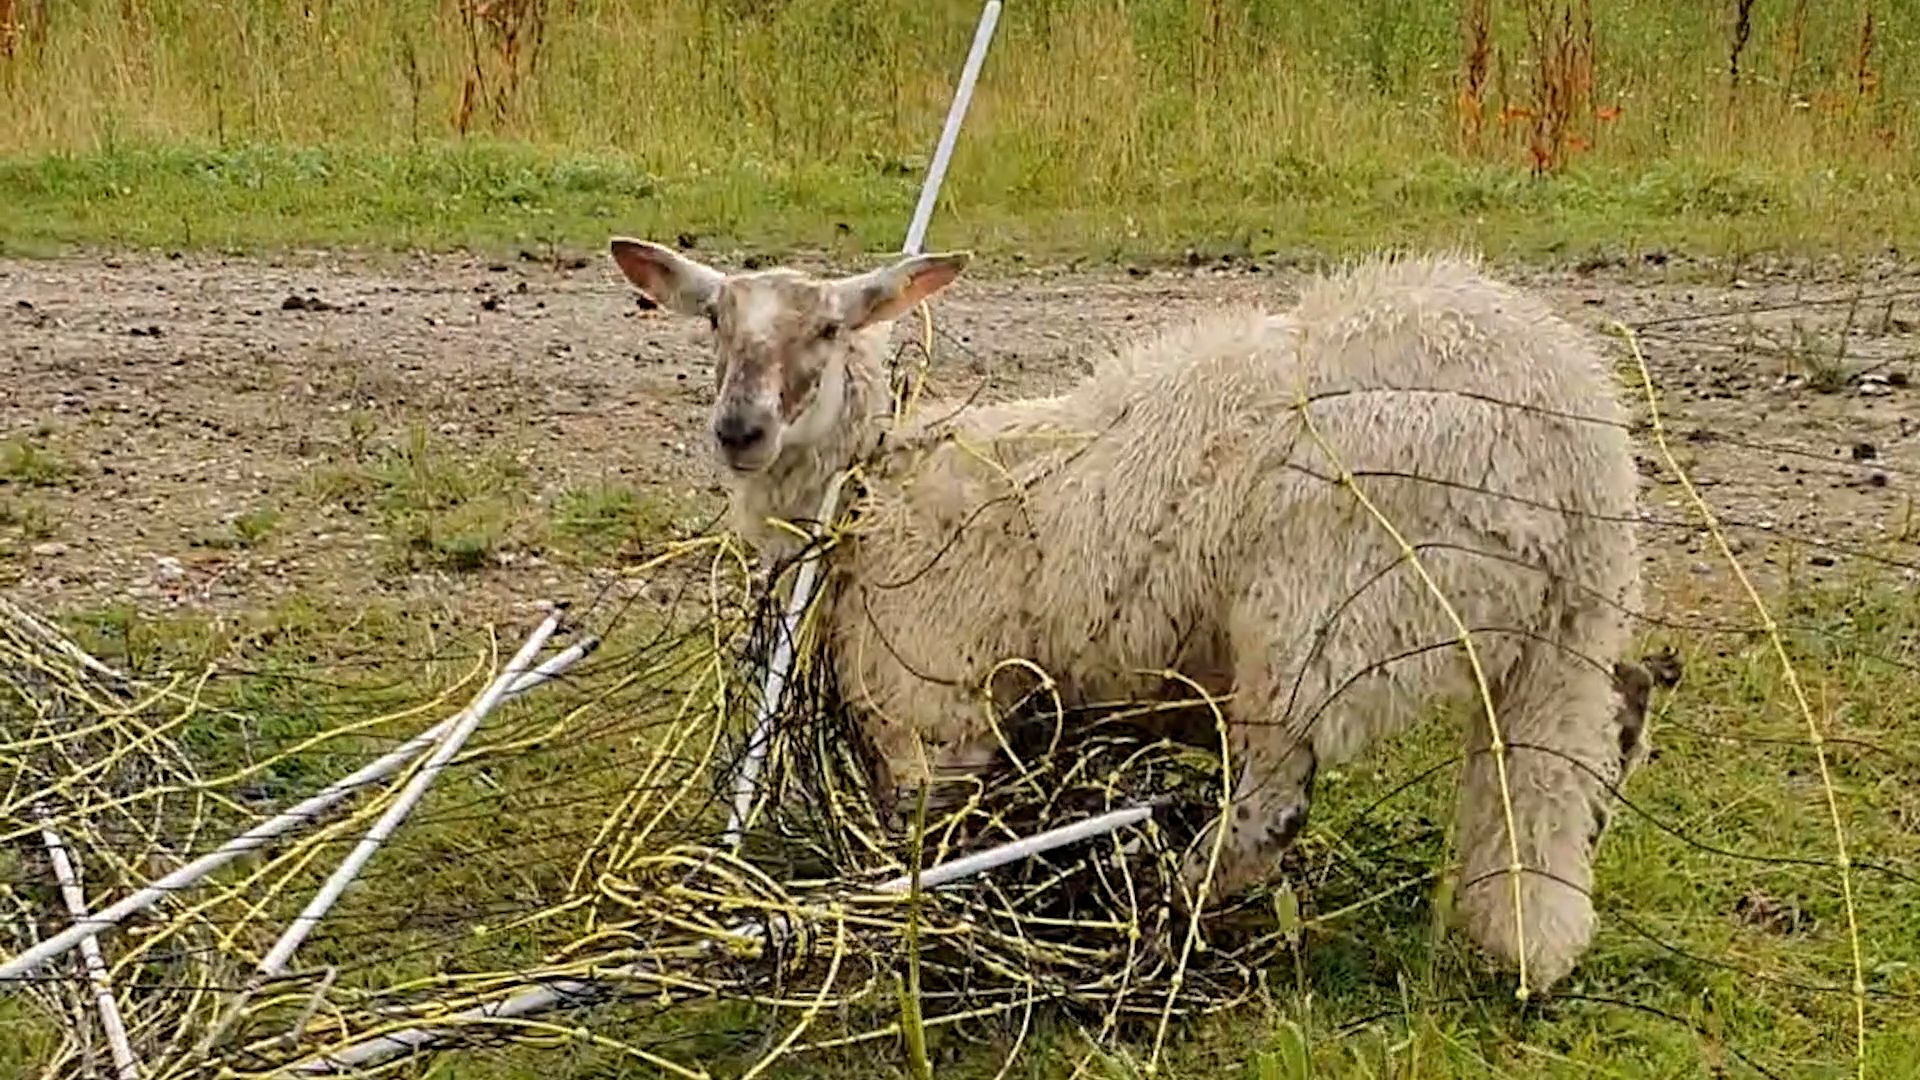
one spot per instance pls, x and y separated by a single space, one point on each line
31 465
447 510
1865 79
1560 53
1742 31
442 508
1477 17
29 519
246 530
361 425
601 518
515 29
346 483
1094 122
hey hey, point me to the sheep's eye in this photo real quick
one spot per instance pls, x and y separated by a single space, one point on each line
713 318
829 331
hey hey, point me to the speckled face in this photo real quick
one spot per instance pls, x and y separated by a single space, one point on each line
778 337
783 339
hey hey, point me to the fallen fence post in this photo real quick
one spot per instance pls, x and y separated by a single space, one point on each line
456 737
558 991
264 833
125 1066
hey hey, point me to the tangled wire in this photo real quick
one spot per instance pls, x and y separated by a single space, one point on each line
798 919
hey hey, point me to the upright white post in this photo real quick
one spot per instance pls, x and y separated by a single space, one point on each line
773 690
950 133
779 666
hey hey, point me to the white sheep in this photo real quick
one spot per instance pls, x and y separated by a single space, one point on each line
1195 506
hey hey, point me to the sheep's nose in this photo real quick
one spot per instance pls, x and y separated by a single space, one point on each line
735 433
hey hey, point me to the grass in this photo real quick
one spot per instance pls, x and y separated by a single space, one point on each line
1702 957
601 518
440 508
247 530
28 464
28 519
1100 130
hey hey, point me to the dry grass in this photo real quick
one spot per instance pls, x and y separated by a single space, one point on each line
1144 120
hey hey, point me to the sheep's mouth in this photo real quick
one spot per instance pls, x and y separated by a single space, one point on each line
748 465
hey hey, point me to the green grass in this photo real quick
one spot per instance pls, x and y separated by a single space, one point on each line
28 464
1696 962
489 196
440 507
246 530
444 507
28 519
601 518
1100 130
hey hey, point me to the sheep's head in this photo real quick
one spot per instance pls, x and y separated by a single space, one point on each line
785 340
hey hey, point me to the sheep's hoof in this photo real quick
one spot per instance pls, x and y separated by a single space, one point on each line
1248 856
942 798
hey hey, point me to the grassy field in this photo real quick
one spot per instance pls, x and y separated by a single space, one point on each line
1718 953
1101 129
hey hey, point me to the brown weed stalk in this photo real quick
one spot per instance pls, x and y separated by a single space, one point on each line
503 40
1742 30
1560 38
10 27
1796 37
20 21
1865 79
1477 17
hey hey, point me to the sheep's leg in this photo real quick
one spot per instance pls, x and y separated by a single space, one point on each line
1633 683
1265 814
906 760
1563 732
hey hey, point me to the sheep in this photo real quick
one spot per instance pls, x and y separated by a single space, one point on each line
1194 508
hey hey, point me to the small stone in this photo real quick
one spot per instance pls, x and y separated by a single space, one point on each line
1821 559
50 549
1865 451
1878 479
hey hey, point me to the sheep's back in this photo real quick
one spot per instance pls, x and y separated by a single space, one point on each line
1115 527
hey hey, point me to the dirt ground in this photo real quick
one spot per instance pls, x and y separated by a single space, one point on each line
159 399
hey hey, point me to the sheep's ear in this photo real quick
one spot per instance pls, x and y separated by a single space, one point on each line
887 293
667 277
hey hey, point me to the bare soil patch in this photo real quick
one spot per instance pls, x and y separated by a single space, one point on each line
187 432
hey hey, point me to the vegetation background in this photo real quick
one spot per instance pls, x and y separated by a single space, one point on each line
1102 127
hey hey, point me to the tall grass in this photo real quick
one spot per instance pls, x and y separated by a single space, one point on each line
1117 106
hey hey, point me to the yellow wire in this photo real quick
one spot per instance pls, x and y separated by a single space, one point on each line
1814 736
